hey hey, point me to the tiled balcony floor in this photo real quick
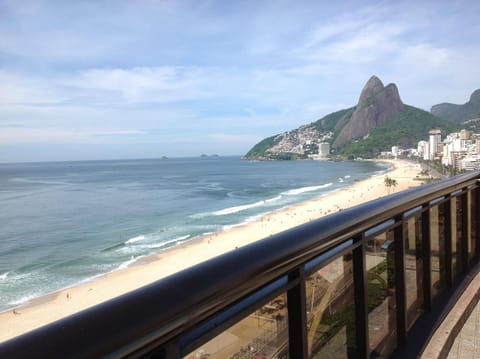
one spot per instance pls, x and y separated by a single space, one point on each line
467 342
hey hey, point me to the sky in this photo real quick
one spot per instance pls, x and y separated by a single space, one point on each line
118 79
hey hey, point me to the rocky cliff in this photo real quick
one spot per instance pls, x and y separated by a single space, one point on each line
376 104
459 113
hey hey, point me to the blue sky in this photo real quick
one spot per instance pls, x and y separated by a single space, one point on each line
142 79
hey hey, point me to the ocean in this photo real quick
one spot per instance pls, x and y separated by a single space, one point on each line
65 223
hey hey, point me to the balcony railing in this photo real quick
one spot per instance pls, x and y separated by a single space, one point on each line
351 284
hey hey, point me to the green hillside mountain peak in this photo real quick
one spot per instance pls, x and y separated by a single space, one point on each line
459 113
377 122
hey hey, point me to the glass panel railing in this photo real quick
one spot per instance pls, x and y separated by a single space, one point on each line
413 269
437 250
262 334
331 310
381 299
459 238
472 247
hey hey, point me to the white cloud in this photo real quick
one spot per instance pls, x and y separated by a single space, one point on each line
109 86
143 84
17 135
23 89
358 40
233 138
40 135
86 73
119 133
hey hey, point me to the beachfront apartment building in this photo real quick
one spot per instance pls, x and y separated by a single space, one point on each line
459 150
434 144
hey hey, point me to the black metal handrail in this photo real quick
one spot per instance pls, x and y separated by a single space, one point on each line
158 316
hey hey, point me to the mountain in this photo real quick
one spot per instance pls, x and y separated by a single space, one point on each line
379 121
376 104
404 129
459 113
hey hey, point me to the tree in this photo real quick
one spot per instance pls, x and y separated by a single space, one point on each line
389 183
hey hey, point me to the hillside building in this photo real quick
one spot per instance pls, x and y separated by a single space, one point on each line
323 149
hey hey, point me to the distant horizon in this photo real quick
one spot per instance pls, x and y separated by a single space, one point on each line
179 77
161 158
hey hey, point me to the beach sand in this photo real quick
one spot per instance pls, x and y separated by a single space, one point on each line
60 304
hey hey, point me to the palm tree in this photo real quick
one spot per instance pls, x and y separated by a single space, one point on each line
389 183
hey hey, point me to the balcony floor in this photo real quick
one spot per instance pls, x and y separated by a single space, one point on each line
458 335
467 342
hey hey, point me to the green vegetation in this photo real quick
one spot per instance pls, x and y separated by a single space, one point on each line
344 317
286 156
332 323
329 122
260 149
334 122
325 124
472 125
389 183
403 129
369 101
459 113
377 285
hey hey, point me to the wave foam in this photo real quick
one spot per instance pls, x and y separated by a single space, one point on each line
237 209
177 240
4 275
199 215
274 199
301 190
23 300
126 264
135 239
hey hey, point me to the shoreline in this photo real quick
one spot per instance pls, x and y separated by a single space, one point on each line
145 270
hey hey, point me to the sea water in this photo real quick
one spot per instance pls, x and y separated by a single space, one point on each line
65 223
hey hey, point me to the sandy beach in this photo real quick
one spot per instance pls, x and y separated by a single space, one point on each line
54 306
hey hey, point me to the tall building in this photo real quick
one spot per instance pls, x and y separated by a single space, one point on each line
422 149
323 149
465 134
395 151
434 142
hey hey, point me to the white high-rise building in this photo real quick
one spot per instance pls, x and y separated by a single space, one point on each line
395 151
323 149
434 142
422 149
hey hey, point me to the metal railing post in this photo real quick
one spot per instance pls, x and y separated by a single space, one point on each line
400 281
476 221
297 316
427 262
447 235
466 234
360 283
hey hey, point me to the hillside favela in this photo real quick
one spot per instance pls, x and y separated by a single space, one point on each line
188 179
